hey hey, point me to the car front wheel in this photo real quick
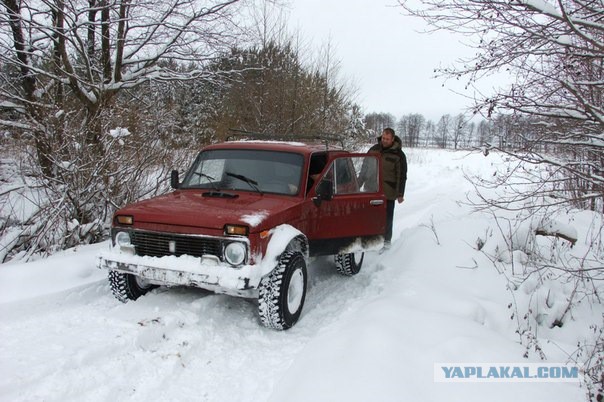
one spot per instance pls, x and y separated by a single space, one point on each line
283 291
127 286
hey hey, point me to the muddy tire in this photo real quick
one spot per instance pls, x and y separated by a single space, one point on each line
349 264
282 292
127 287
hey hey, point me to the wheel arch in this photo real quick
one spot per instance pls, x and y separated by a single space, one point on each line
298 243
284 238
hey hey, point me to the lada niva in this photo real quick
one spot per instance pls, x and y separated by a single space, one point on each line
245 220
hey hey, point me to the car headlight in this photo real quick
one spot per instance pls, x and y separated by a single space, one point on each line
122 239
234 253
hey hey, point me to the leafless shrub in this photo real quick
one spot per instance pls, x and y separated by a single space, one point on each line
74 205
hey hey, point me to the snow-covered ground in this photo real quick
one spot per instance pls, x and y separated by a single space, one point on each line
432 298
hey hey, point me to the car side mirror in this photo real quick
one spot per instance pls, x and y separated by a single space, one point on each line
324 191
174 181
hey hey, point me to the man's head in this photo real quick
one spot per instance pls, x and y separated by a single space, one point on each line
387 137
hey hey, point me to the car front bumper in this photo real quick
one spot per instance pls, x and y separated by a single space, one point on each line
206 272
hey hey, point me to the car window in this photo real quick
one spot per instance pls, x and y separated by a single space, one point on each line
354 174
367 169
317 164
246 170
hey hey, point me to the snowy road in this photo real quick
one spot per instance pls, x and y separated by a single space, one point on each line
179 342
375 336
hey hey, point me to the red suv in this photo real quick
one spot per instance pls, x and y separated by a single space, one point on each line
244 221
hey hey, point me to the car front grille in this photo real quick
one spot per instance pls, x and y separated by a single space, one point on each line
158 245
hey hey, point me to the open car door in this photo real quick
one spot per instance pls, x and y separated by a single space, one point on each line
349 205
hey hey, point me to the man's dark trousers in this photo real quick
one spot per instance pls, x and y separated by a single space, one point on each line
389 219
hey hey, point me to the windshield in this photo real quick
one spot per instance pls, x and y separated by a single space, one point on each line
247 170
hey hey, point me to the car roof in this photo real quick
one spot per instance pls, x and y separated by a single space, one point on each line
279 146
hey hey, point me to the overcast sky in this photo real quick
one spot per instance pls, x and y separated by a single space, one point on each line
382 53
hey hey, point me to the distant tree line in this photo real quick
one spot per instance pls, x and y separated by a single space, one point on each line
521 135
460 131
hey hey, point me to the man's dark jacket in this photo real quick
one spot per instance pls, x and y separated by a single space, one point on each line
394 168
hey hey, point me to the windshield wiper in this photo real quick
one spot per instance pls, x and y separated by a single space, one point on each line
211 180
253 184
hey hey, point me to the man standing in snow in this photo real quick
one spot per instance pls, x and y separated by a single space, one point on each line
394 174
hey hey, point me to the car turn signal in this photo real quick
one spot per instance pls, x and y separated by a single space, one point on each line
238 230
125 219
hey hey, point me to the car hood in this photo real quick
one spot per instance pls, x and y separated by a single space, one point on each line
192 208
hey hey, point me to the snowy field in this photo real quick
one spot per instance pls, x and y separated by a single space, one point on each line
432 298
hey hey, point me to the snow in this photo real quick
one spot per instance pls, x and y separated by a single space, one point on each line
119 132
543 6
293 143
281 236
255 219
11 105
208 270
432 298
59 273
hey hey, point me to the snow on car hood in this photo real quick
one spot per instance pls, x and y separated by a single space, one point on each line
192 208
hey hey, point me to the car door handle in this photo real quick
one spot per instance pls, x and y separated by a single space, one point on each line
376 202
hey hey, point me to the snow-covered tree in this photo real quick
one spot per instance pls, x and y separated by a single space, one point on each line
272 91
72 58
553 52
553 118
78 84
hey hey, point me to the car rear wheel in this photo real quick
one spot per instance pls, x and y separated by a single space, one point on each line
349 264
127 287
283 291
